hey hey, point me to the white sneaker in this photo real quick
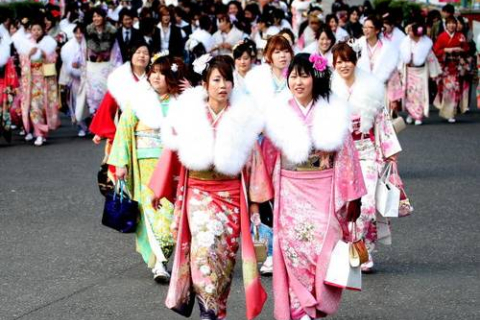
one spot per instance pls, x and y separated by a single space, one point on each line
409 120
267 267
39 141
418 122
21 133
82 133
452 120
29 137
13 127
160 273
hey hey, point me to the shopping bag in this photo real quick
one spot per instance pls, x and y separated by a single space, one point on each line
120 212
260 246
340 273
387 195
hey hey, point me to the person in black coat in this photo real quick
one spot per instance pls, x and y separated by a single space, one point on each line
167 36
127 36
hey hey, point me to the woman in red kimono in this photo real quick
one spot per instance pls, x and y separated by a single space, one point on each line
119 84
8 87
449 49
214 136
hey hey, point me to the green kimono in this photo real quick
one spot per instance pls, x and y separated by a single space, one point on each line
138 147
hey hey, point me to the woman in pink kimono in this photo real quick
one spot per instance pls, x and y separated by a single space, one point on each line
40 99
214 136
318 183
374 137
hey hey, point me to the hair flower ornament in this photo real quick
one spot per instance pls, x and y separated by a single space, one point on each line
320 64
174 67
355 45
200 64
159 55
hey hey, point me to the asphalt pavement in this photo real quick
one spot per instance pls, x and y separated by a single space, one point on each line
58 262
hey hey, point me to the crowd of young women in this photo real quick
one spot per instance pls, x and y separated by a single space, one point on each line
219 146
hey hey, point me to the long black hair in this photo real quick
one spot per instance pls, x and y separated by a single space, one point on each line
321 80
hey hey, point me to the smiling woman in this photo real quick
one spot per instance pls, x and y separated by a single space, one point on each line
213 134
135 152
317 182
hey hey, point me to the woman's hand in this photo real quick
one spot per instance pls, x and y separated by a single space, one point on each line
354 209
97 139
254 214
121 173
185 84
32 51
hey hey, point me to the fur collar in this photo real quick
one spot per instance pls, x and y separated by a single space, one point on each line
420 50
366 99
199 145
47 44
146 105
395 39
120 83
331 125
386 62
259 84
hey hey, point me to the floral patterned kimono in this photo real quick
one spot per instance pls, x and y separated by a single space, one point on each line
449 90
40 100
137 146
418 65
375 141
311 191
220 166
8 85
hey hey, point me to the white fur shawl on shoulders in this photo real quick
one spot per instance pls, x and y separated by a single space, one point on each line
47 44
331 125
120 83
145 104
259 84
366 98
200 146
385 64
419 50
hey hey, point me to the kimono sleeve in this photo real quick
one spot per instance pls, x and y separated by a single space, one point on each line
11 77
349 182
103 123
260 187
386 140
121 153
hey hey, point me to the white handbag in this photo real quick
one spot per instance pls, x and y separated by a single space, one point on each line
387 195
340 272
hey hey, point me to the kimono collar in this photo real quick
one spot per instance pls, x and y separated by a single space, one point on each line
200 145
295 139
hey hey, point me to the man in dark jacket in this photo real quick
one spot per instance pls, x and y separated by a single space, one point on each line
167 36
127 36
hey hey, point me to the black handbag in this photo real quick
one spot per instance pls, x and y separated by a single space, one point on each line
120 212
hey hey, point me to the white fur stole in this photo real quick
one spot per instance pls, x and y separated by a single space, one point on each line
145 103
199 145
24 45
331 125
366 99
419 50
120 83
385 64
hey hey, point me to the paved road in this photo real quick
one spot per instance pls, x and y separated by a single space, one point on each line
58 262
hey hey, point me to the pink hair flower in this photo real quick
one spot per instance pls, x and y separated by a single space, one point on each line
319 63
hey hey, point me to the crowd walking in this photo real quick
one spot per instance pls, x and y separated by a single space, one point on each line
261 126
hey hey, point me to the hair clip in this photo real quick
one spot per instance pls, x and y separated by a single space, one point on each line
355 45
159 55
174 67
201 63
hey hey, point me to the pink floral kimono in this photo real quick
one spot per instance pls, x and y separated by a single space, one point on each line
375 141
220 168
40 99
311 189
